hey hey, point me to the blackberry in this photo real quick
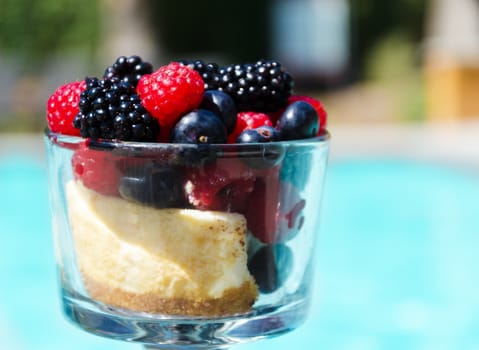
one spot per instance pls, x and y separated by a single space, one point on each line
111 109
128 69
263 86
208 71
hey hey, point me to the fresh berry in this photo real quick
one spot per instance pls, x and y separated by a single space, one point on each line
275 210
318 106
262 86
222 185
201 189
290 214
153 184
234 197
166 154
298 121
208 71
270 266
199 127
129 69
262 134
110 109
261 153
261 156
248 120
170 92
97 170
222 105
62 107
262 210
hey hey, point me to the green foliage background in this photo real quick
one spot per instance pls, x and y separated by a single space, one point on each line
374 21
32 30
237 30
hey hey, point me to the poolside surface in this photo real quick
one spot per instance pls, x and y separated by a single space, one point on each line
397 261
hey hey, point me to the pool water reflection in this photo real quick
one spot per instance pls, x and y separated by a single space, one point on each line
397 256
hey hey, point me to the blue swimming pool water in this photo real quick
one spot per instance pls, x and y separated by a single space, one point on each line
397 262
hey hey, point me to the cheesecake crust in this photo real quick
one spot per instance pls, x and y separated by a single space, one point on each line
233 300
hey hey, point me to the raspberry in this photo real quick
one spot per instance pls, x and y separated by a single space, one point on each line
223 185
291 216
171 92
234 197
318 106
262 209
274 209
62 107
248 120
97 170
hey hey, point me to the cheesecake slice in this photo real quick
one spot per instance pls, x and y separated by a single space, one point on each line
168 261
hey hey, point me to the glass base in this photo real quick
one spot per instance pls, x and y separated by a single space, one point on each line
166 332
179 347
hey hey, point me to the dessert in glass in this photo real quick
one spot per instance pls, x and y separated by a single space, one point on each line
185 201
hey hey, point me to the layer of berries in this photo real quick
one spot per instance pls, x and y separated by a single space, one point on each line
169 178
186 102
192 102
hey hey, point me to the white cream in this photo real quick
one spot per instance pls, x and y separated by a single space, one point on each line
169 252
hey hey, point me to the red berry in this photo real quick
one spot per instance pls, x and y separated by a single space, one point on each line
275 210
170 92
290 218
202 187
318 106
62 107
223 185
97 170
234 197
248 120
262 210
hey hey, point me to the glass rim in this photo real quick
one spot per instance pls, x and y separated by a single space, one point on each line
63 139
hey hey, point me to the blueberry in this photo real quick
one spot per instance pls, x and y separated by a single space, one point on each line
261 134
153 184
199 127
299 121
169 156
221 104
271 266
262 156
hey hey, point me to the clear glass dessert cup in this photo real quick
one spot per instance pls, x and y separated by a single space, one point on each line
185 246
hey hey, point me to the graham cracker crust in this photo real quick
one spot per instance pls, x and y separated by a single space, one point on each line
233 301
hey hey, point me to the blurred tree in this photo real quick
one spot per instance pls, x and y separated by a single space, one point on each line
238 31
241 30
126 31
374 20
33 30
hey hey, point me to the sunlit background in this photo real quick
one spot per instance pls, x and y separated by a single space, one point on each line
398 261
